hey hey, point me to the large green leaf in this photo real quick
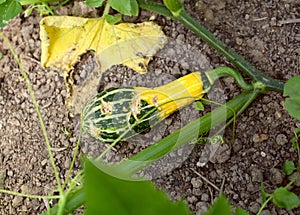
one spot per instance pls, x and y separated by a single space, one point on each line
106 194
220 206
126 7
94 3
285 199
9 9
292 91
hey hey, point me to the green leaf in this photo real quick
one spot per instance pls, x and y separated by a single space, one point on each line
297 132
263 194
294 142
126 7
199 106
2 1
292 91
1 55
220 206
94 3
288 167
241 211
112 19
9 9
285 199
106 194
175 6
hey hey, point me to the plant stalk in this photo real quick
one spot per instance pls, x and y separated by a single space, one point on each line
187 133
37 108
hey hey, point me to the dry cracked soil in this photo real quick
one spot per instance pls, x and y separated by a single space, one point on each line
266 33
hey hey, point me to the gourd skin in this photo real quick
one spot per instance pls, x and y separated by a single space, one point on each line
111 113
127 110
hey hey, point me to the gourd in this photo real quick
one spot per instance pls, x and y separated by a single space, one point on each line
135 110
126 111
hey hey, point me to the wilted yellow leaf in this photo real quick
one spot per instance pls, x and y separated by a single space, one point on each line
65 38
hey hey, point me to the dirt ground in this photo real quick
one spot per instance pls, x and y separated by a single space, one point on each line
264 32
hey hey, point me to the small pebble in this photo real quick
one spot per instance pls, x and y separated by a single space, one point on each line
276 177
265 212
44 162
281 139
202 207
67 163
197 192
238 41
10 173
17 201
256 175
254 207
196 182
205 197
260 138
192 199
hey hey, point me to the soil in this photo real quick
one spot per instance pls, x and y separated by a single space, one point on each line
261 31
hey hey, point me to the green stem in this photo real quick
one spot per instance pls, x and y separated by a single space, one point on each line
74 156
219 72
204 34
48 8
264 205
186 134
37 108
74 201
27 2
59 5
272 196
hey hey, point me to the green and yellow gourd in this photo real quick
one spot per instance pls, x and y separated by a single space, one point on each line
126 111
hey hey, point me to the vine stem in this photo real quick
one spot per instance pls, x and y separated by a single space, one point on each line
205 35
264 205
215 74
37 108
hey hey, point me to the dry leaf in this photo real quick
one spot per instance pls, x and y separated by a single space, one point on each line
65 38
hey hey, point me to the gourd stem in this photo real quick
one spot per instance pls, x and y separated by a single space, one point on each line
219 72
205 35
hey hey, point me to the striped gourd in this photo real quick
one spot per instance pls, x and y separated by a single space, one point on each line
134 110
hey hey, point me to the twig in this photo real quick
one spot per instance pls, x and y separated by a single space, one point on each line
288 21
222 186
211 195
206 180
259 19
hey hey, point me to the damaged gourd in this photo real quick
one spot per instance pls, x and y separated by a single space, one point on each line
126 111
